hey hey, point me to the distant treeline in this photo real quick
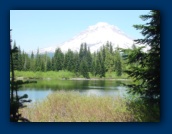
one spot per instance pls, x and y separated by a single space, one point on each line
107 59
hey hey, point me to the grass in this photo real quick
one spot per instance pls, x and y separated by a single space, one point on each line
44 75
62 75
70 106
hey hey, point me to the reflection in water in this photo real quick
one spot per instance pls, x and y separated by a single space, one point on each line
40 90
98 92
35 95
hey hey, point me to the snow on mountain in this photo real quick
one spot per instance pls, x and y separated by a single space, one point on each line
95 36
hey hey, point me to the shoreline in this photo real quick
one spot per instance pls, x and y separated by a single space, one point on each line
98 79
64 75
24 78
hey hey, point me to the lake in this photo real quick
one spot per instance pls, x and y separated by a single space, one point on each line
41 89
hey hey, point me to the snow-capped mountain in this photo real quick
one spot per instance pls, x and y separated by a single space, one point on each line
95 36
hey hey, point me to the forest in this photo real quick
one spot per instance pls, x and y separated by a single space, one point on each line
107 59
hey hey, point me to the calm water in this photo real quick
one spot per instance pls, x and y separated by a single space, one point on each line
41 89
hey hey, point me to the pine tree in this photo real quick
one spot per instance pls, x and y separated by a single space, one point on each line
148 70
109 59
89 59
16 101
16 57
32 62
58 59
93 67
84 68
20 60
100 65
52 64
69 61
38 61
81 52
49 64
118 62
76 63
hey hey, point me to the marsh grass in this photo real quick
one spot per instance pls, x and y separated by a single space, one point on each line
70 106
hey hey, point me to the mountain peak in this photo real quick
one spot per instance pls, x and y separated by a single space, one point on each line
99 25
95 36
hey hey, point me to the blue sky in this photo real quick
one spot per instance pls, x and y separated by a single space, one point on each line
33 29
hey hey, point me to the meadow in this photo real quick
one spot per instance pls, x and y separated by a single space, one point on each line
63 74
70 106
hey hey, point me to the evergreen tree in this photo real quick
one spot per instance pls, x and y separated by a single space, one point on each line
45 58
103 50
97 65
148 70
20 60
53 64
16 101
85 50
42 65
109 59
38 61
118 62
89 59
32 62
81 52
15 57
49 64
84 68
58 59
69 61
110 48
24 63
93 68
76 63
100 65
